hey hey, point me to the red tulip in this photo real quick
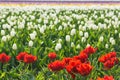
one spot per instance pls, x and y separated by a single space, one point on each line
52 55
83 57
56 65
108 64
72 66
66 60
4 58
84 69
21 55
29 58
90 50
106 78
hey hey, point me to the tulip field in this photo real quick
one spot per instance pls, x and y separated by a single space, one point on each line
60 42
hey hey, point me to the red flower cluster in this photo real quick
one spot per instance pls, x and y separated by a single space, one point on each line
56 66
4 58
25 57
52 55
76 65
109 60
84 54
79 64
106 78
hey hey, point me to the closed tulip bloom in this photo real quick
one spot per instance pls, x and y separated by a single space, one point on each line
30 43
78 46
73 32
60 28
113 42
106 45
32 36
2 32
58 46
12 33
80 33
101 38
67 38
4 38
83 39
14 46
42 30
72 44
86 35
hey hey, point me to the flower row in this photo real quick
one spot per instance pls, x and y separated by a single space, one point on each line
22 56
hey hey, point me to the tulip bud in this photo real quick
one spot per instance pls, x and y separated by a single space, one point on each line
30 43
14 46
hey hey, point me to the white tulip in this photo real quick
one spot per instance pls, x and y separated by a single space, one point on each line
32 17
113 42
21 26
60 40
58 46
67 38
101 38
82 22
2 32
80 27
42 30
111 39
30 43
9 27
4 38
80 33
34 32
94 27
32 36
73 26
2 20
12 33
44 27
78 46
72 44
4 26
45 21
106 46
119 35
14 46
83 39
116 31
86 34
84 28
73 31
60 28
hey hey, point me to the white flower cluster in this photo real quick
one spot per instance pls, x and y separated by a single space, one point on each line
60 25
